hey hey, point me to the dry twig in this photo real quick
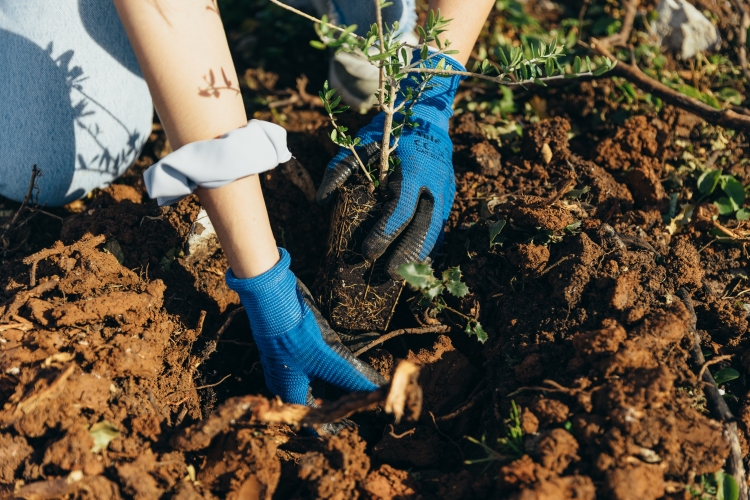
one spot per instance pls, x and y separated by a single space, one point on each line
742 36
725 117
34 174
88 241
717 403
28 404
621 37
710 362
403 331
402 392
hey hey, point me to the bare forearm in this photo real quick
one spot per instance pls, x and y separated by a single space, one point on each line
468 17
185 58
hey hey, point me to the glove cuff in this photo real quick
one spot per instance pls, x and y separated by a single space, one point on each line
271 299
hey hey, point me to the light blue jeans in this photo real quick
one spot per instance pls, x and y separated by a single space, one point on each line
73 100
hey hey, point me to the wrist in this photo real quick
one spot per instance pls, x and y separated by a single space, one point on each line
270 299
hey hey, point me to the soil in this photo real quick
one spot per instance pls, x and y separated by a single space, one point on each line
107 322
356 295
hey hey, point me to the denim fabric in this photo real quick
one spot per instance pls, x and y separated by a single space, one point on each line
74 101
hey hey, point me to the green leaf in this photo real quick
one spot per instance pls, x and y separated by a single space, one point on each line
588 63
743 214
577 65
733 188
729 488
501 55
730 96
334 135
495 229
549 67
317 45
452 280
457 288
417 275
103 433
577 193
725 375
708 181
475 328
600 71
330 94
540 82
425 52
379 57
725 205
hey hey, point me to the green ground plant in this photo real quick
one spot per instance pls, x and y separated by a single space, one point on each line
421 277
510 447
731 204
715 486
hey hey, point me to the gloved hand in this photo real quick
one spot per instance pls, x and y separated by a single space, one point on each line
422 188
296 344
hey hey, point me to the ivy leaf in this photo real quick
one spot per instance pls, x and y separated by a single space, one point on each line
725 205
733 188
417 275
727 374
452 280
495 229
708 181
475 328
103 433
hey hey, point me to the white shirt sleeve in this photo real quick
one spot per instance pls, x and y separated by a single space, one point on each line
257 147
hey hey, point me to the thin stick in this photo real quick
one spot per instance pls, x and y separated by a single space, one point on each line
710 362
388 109
199 326
312 18
717 403
497 79
210 385
462 409
725 118
742 35
228 321
34 174
621 38
403 331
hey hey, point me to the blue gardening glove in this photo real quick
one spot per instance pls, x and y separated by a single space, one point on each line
422 188
296 344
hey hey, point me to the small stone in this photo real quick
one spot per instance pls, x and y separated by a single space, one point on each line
684 29
546 153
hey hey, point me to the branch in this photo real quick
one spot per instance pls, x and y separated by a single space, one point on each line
742 35
725 118
621 38
313 18
496 79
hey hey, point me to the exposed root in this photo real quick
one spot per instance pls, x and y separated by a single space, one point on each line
86 242
401 394
403 331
